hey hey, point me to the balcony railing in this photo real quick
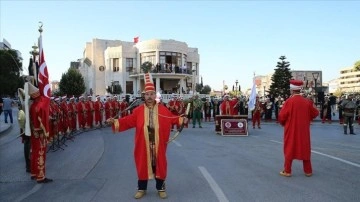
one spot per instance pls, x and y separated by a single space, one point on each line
176 71
167 97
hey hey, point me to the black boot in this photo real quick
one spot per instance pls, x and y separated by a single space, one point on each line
352 130
345 129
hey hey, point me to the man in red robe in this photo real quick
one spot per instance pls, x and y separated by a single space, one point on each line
295 116
82 113
108 108
99 109
39 120
90 112
153 124
123 106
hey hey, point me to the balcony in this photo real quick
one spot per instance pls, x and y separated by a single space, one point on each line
135 72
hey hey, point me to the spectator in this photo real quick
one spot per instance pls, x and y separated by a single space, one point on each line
7 108
332 100
1 104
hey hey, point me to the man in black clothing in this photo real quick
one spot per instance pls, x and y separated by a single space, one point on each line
1 104
332 100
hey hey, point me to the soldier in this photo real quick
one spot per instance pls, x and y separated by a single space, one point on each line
99 109
357 115
116 106
256 113
268 109
82 112
108 108
90 112
341 116
72 106
197 110
70 114
207 109
226 106
123 106
326 110
173 106
216 106
65 111
53 126
349 107
182 109
39 122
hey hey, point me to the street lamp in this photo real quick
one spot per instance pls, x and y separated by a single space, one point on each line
236 85
316 76
193 74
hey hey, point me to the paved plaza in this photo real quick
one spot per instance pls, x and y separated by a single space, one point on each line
202 166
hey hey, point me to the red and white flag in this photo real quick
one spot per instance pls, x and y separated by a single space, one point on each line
44 86
43 75
136 39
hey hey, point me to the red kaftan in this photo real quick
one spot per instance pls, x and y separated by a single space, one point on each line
295 116
162 125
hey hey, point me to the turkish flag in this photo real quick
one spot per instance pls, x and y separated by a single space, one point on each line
43 75
136 39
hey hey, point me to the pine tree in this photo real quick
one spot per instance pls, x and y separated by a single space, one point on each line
281 79
72 83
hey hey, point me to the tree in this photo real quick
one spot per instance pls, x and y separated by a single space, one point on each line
115 88
357 66
72 83
205 90
10 68
281 79
146 66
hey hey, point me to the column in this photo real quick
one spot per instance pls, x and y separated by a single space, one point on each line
157 87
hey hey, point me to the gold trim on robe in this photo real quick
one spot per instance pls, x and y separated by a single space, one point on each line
146 136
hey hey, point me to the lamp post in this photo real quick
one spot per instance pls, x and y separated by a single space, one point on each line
193 76
316 76
264 91
236 86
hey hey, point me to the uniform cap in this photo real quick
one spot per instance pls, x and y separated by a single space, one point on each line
149 85
296 84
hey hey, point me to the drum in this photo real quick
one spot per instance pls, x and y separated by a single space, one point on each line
219 117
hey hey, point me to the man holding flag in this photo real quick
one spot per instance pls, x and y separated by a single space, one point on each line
255 106
39 118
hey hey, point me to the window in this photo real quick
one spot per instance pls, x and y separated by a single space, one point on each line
129 64
115 64
101 68
171 58
147 57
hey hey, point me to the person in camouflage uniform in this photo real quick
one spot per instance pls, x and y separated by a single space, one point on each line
348 106
197 111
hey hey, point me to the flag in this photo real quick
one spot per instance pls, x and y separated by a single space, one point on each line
136 39
43 75
44 86
252 98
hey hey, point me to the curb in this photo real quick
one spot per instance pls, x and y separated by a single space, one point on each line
5 128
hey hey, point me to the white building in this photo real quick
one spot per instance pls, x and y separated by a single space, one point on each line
106 62
333 85
349 80
5 45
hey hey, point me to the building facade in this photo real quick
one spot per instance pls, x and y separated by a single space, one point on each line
309 77
349 80
175 66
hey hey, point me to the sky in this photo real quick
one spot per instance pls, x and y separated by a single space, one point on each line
234 38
